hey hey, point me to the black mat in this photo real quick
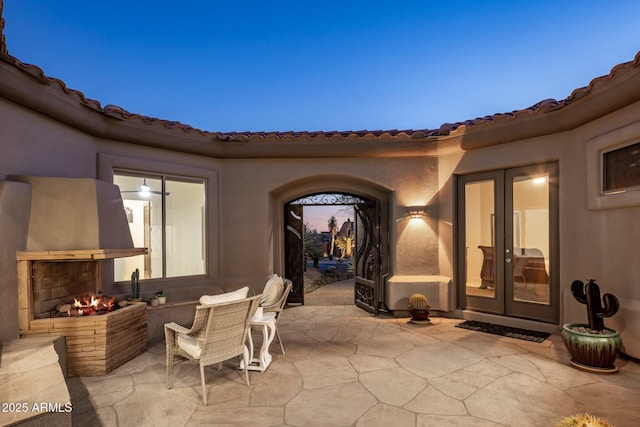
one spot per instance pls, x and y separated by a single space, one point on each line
505 331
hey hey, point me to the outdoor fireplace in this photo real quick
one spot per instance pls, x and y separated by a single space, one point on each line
96 343
75 224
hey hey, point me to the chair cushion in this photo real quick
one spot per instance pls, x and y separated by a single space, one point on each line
225 297
273 290
189 345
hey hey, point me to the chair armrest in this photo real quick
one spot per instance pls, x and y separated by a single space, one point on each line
274 307
176 328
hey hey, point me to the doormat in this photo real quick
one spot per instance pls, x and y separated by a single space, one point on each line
505 331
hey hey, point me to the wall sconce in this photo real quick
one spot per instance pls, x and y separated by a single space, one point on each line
416 211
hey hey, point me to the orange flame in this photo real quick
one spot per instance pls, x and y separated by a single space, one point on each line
93 303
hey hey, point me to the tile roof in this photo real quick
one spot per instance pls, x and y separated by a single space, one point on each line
119 113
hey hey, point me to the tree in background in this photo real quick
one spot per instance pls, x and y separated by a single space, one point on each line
345 242
312 245
333 229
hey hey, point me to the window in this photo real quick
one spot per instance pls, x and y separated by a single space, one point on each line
621 169
166 215
613 168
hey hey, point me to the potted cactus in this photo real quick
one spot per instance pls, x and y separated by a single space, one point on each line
419 308
593 347
135 286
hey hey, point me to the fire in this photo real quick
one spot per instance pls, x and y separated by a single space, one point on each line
92 304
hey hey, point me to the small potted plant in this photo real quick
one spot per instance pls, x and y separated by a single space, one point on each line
419 308
593 347
153 300
162 297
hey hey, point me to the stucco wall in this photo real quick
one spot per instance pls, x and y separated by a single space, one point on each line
243 236
33 145
15 198
246 196
599 244
30 145
251 222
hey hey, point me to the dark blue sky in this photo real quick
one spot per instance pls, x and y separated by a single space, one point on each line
322 65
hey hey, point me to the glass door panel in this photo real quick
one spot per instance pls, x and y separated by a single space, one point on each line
481 241
531 243
530 278
480 238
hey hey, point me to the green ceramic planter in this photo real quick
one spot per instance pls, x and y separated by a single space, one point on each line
591 352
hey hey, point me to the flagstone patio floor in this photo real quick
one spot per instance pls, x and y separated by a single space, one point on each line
343 367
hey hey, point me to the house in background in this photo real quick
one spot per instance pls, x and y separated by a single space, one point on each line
548 189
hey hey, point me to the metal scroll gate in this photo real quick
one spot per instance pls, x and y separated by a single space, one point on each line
293 251
366 263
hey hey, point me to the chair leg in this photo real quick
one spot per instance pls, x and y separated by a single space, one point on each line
169 372
204 390
280 340
169 364
245 356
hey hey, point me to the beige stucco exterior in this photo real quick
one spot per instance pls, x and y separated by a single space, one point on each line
47 130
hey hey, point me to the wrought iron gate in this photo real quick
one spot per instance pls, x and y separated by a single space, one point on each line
368 258
369 265
294 256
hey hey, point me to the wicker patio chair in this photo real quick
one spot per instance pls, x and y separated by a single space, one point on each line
218 333
279 306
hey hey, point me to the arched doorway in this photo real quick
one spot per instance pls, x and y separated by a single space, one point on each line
369 263
380 199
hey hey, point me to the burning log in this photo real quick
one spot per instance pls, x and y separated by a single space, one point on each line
88 305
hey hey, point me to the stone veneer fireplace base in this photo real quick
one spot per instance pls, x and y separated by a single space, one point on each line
98 344
95 344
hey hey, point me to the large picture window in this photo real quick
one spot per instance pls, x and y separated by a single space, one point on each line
166 215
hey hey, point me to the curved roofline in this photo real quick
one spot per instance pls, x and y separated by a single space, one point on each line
117 123
603 95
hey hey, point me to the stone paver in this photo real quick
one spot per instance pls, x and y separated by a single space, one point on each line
394 386
337 405
343 367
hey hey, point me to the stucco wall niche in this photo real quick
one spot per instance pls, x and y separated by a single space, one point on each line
412 252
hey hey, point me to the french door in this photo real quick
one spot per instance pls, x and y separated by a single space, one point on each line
507 222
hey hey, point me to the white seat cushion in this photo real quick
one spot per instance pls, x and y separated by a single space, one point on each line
189 345
273 290
225 297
